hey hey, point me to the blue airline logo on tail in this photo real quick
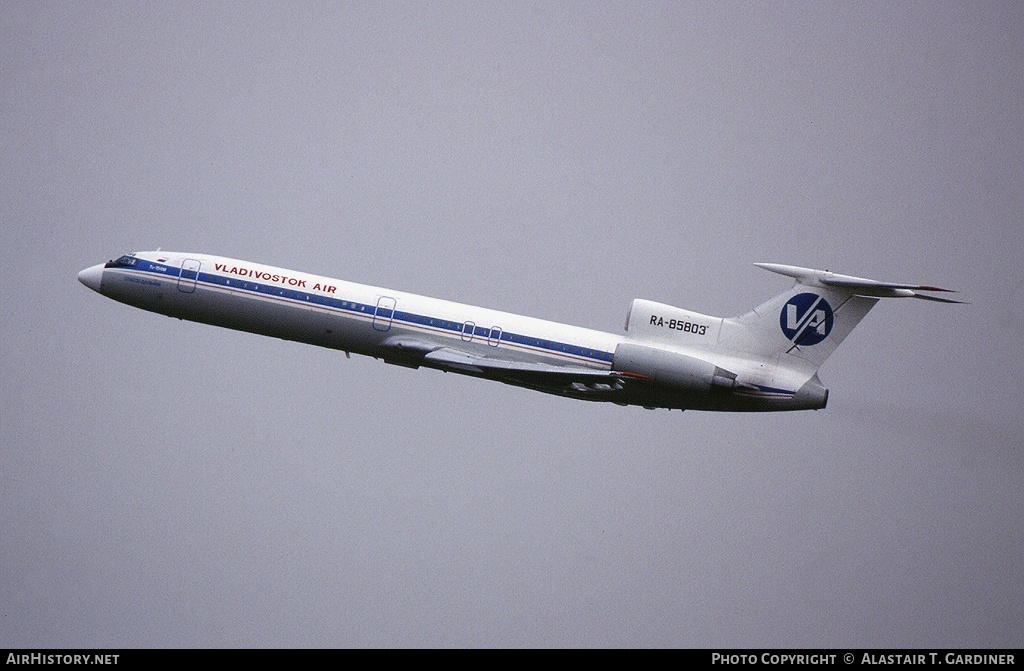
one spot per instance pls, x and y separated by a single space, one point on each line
806 319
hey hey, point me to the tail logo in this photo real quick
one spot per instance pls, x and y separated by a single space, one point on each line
806 319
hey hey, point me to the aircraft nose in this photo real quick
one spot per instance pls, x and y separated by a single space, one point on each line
92 277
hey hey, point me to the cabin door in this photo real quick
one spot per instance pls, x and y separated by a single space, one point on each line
188 275
384 313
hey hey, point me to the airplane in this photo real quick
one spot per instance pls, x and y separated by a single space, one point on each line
668 357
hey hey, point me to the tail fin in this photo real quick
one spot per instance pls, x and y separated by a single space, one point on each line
807 323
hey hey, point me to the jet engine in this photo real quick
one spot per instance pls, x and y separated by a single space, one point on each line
666 368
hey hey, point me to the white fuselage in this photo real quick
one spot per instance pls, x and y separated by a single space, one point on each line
412 330
343 315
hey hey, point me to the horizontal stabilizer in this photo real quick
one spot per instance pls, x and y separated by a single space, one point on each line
858 286
937 299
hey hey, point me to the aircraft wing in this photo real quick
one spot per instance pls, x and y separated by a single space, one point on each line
446 357
537 375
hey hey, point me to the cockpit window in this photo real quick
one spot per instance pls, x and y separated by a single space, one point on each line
126 260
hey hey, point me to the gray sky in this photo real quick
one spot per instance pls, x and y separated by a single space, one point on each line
171 484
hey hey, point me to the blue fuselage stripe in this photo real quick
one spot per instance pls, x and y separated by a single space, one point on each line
176 273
